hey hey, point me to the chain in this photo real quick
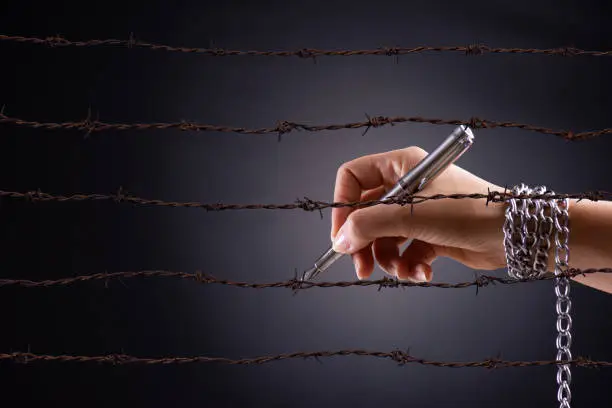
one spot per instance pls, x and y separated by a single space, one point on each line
527 232
528 228
564 304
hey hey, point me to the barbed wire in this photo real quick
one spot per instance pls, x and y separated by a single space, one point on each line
305 204
399 356
471 49
88 125
283 127
295 284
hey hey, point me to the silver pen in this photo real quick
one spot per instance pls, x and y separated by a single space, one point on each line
415 180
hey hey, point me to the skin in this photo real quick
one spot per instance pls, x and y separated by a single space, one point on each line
466 230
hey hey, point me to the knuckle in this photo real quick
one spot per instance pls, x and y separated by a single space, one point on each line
349 167
415 152
344 172
345 168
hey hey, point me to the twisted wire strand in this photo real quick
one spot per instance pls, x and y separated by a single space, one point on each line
58 41
88 125
399 356
294 284
304 204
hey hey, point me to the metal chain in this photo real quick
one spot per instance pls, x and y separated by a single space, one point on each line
527 233
564 304
528 229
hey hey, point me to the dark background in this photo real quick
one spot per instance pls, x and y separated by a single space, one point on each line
165 317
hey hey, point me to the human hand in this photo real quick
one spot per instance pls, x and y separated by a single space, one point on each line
465 230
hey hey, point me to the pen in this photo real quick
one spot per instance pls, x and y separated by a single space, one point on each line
415 180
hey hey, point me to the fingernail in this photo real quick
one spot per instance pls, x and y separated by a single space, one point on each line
420 273
390 270
341 244
356 263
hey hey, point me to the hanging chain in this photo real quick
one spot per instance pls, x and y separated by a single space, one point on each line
564 304
528 228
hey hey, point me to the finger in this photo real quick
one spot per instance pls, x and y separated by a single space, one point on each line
415 264
387 253
368 224
369 172
367 195
363 261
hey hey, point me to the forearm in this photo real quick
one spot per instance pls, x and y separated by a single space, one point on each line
590 241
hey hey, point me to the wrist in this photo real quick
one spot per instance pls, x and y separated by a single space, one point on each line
590 232
536 232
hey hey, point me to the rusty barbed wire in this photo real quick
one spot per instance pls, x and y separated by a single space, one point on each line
305 204
471 49
399 356
294 284
284 127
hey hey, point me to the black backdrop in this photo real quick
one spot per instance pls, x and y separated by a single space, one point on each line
165 317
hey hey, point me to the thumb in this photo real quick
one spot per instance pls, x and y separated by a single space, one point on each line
367 224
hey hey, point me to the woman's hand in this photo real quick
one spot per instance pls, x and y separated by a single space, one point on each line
466 230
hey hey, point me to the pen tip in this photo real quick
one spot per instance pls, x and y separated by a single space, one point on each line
307 274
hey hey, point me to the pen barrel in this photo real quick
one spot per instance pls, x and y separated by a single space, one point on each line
434 163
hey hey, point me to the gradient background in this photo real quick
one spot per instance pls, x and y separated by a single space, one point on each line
167 317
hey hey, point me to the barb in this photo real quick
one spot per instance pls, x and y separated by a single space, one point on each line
400 357
472 49
89 126
294 284
306 205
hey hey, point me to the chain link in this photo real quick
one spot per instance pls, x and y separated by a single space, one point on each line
564 304
528 228
527 233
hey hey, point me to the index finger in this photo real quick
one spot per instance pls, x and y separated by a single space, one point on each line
365 173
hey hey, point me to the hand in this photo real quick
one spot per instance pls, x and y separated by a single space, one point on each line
465 230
